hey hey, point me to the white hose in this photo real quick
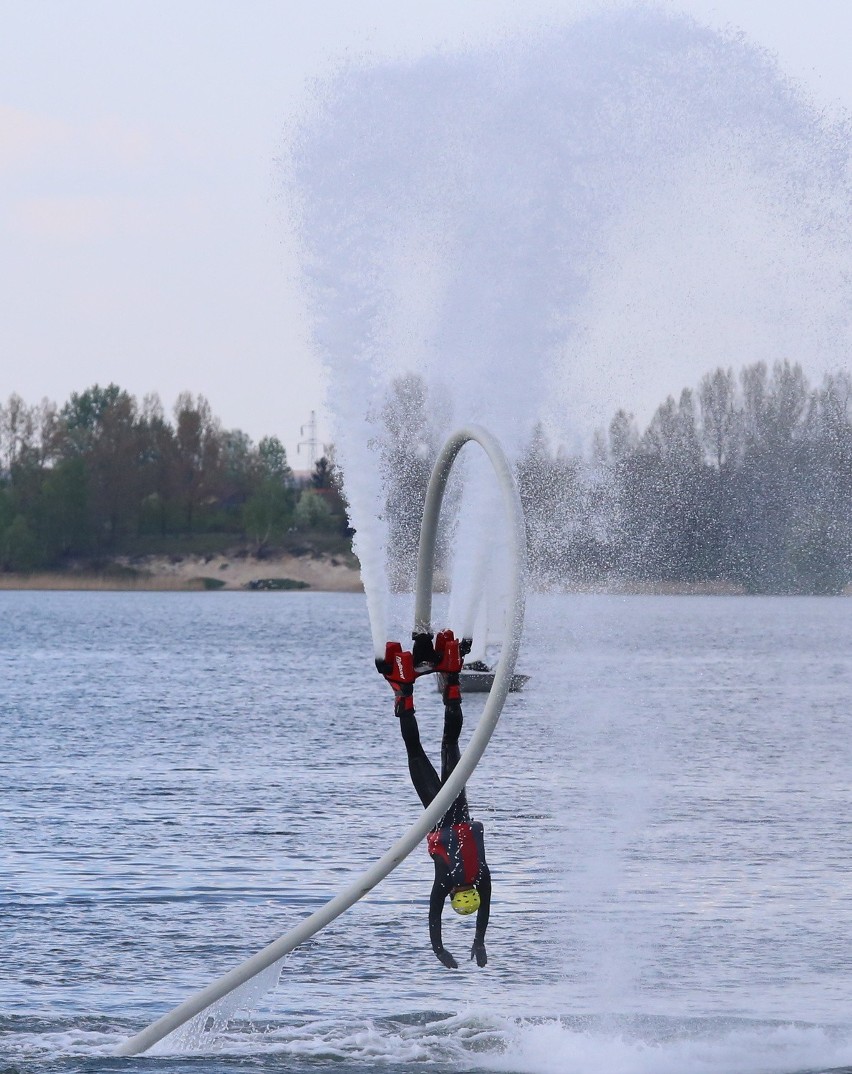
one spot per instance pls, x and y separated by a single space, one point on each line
155 1032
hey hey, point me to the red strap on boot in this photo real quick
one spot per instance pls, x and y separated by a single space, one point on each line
452 692
404 703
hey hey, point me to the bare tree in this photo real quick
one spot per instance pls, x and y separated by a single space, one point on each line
409 446
719 419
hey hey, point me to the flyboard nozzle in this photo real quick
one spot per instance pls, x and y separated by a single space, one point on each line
384 663
423 650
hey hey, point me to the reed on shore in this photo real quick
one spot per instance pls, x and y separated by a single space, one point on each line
103 582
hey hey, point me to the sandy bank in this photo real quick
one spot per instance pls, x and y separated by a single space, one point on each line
319 572
195 572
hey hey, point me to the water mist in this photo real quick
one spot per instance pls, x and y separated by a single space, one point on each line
549 229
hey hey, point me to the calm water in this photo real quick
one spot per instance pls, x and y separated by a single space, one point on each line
185 776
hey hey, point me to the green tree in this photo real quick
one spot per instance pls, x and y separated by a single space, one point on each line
273 459
198 456
20 550
99 427
158 469
312 512
268 513
321 478
64 510
7 512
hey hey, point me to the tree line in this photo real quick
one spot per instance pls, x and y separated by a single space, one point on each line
746 481
105 473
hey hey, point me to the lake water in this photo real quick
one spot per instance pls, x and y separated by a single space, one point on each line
185 776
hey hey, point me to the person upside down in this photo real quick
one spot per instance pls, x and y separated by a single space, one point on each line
456 843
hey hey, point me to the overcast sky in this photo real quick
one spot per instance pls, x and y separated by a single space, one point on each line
142 233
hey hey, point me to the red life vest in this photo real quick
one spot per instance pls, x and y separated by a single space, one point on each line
461 848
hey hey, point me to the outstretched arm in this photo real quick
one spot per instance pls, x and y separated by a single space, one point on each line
440 891
482 916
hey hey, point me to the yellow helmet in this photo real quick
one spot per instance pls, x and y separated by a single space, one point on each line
465 900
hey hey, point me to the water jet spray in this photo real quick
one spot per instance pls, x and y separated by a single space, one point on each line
514 523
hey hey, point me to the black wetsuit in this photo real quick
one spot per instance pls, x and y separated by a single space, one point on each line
427 784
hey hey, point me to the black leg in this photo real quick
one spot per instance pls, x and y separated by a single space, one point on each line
458 813
450 754
423 774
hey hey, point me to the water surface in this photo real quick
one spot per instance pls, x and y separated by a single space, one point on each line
185 776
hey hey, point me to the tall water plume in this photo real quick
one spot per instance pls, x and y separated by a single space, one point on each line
589 218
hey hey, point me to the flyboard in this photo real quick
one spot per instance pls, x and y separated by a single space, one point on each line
516 535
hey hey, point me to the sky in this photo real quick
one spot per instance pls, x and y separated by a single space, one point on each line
144 234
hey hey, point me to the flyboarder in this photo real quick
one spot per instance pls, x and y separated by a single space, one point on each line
456 843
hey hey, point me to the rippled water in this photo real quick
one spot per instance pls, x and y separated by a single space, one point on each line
185 776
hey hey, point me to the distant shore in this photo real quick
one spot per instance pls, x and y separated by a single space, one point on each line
165 573
317 572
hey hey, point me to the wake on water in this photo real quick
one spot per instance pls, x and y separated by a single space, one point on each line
474 1040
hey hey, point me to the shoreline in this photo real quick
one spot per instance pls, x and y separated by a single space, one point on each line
197 573
318 573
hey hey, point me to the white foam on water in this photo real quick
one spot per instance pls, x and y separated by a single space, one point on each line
206 1031
552 1047
25 1045
490 1041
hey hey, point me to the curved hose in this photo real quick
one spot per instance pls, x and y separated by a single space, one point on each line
270 954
